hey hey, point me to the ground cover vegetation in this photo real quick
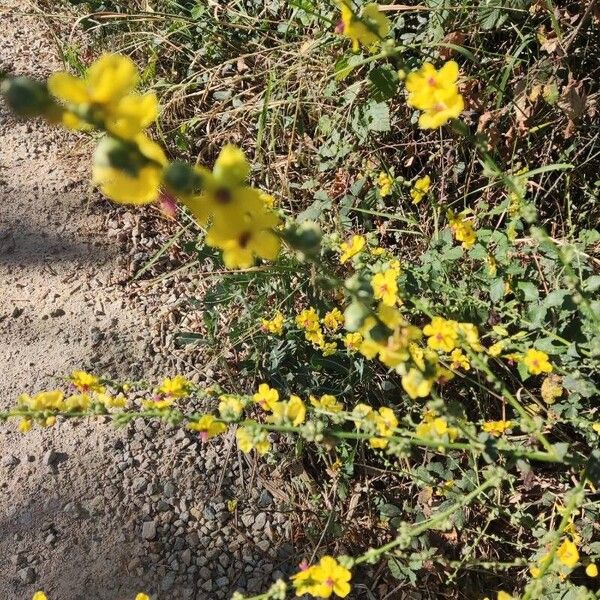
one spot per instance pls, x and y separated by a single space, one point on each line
409 262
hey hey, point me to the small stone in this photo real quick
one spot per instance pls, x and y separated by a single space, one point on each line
149 530
139 484
26 575
57 312
167 582
265 499
208 585
10 461
222 582
247 520
260 521
264 545
208 513
186 557
17 312
50 458
169 489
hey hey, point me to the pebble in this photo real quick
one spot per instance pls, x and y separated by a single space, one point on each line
26 575
149 530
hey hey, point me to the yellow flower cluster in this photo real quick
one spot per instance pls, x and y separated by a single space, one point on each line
420 189
462 229
384 184
382 422
435 93
130 168
273 325
367 29
496 428
322 580
49 403
308 320
435 427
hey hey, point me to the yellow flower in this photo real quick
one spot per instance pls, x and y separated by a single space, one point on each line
497 348
327 402
25 425
333 320
353 341
207 426
470 335
416 384
551 389
420 188
460 360
136 175
104 96
596 427
293 412
245 234
111 77
435 427
385 422
50 421
435 93
308 320
537 362
41 596
248 440
327 577
86 382
504 596
77 402
496 428
274 325
388 337
567 554
175 387
111 401
230 407
384 183
352 248
591 570
442 334
141 596
462 229
158 403
266 397
368 29
385 286
53 400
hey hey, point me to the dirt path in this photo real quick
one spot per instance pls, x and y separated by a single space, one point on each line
84 508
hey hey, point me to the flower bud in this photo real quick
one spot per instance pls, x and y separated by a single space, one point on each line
181 179
304 237
120 155
27 98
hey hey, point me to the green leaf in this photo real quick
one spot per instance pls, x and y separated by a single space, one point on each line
497 290
346 64
530 291
377 116
384 83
